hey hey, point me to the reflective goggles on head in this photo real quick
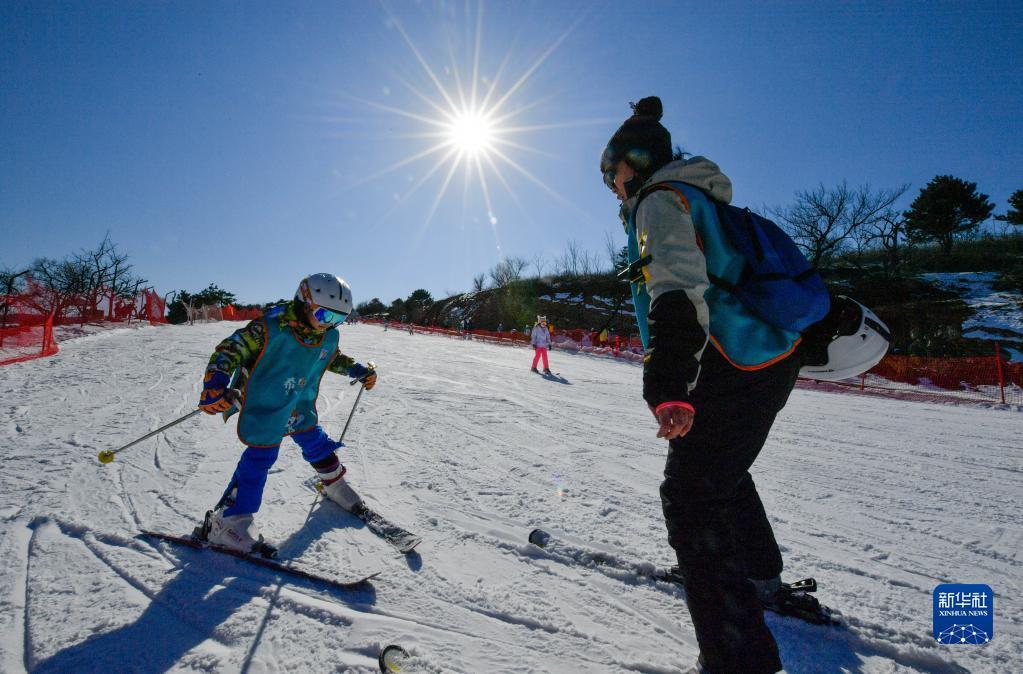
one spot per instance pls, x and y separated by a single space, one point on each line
325 316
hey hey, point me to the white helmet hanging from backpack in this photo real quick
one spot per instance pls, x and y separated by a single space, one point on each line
328 297
850 340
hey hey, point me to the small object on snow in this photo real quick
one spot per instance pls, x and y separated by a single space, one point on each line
285 568
539 538
393 659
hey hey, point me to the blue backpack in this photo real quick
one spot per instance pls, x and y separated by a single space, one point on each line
777 283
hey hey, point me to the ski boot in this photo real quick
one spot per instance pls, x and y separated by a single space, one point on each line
533 369
334 487
237 532
547 371
795 600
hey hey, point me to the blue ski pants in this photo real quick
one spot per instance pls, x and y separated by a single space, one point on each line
250 475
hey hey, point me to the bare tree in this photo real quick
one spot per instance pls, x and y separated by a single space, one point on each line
570 262
612 251
507 270
872 215
539 264
589 263
64 284
479 282
886 232
9 282
573 257
824 222
131 294
109 276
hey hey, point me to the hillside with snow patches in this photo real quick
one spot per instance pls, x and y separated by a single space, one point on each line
997 314
880 500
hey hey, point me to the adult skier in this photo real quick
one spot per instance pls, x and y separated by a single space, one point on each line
714 376
540 339
286 353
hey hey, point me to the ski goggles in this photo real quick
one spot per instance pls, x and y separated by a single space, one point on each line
325 316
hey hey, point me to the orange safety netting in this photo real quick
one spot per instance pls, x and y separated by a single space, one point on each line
233 314
24 334
977 378
27 318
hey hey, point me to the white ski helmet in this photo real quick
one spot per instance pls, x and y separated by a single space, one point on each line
855 340
326 292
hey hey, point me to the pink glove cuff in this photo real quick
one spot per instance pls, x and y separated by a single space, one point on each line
674 403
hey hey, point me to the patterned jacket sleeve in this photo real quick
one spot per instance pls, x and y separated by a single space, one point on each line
340 363
676 280
240 349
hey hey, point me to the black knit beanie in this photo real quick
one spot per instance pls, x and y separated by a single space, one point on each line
641 140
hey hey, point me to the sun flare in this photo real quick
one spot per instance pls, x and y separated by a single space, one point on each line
472 133
471 122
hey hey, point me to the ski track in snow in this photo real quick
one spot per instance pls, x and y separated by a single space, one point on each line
879 499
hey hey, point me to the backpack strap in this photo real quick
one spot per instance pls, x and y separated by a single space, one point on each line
667 186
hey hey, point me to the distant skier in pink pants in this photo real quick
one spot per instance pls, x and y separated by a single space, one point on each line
541 340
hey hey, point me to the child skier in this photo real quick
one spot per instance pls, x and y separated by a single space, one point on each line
540 338
286 353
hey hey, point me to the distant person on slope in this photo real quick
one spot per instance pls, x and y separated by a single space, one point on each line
714 377
540 338
286 353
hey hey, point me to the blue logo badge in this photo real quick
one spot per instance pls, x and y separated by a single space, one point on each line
964 614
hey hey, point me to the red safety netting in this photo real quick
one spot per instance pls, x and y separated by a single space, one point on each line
27 318
231 313
24 334
987 379
981 379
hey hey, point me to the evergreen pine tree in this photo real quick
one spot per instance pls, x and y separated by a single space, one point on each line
946 209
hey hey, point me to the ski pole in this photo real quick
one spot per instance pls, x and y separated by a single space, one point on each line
356 405
107 455
352 413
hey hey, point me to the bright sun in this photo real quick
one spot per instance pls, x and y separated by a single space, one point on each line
469 123
471 133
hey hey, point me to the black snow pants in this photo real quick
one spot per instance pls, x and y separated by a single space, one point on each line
716 522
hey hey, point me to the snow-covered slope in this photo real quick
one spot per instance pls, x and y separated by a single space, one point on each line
881 500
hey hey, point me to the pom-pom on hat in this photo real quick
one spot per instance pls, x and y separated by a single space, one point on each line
641 140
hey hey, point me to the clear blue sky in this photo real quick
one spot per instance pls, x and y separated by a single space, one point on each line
244 143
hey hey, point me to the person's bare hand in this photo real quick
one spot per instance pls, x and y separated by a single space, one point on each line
673 420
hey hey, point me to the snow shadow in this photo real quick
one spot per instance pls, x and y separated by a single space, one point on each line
810 649
325 516
206 592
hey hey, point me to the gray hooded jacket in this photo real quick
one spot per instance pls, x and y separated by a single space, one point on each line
676 278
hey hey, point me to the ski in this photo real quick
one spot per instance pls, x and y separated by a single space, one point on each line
403 540
793 600
289 568
606 563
